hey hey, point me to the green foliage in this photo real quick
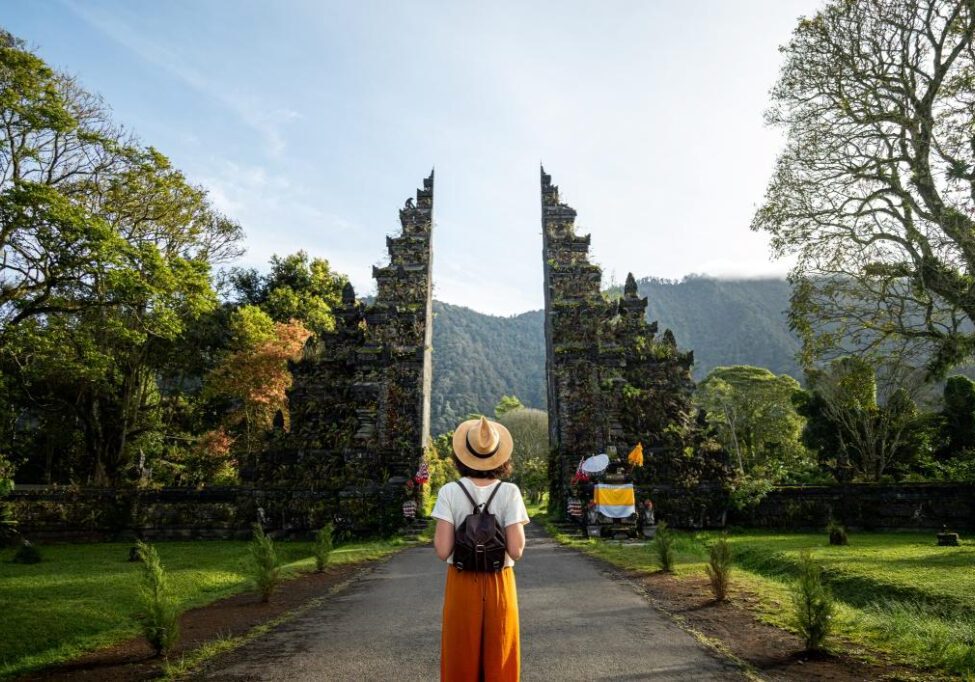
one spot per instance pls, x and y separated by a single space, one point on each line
160 619
957 418
506 405
110 251
663 546
752 412
883 259
27 553
265 566
720 563
8 524
529 433
323 547
440 461
812 603
748 491
855 434
296 288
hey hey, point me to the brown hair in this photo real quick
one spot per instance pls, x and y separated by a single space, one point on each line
502 471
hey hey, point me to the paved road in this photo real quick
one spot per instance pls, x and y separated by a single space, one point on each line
577 623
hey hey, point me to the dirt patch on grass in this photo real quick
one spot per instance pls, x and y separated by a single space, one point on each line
774 653
133 659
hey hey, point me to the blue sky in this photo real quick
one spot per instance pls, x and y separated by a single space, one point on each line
311 122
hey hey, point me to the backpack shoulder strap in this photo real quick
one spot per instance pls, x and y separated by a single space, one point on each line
467 493
493 493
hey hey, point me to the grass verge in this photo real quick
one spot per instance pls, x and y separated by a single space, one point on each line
85 596
192 662
900 597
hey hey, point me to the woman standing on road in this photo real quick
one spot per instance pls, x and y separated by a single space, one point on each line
480 639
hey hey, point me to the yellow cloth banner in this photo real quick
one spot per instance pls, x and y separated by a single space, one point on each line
623 494
636 456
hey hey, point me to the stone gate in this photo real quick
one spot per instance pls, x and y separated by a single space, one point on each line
360 400
611 382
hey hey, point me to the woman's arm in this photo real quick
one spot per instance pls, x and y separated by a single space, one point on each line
514 536
443 539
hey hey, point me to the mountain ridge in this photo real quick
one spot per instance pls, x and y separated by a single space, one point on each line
478 357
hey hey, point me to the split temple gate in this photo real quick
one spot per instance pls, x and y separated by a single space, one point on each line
612 383
360 399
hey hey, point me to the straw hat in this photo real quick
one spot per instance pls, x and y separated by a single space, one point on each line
482 445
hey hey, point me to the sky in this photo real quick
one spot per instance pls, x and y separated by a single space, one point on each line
311 122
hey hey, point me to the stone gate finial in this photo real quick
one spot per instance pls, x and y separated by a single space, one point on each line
629 289
348 294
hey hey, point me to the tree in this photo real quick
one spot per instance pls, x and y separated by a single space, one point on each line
874 193
752 412
107 259
57 146
255 374
958 417
529 432
506 405
295 289
872 434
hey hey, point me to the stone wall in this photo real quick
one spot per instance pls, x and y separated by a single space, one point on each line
101 514
612 382
865 507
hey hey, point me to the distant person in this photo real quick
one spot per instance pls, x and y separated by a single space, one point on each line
480 639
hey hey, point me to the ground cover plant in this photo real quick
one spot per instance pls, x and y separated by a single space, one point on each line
266 568
323 546
84 596
812 603
899 597
160 616
720 564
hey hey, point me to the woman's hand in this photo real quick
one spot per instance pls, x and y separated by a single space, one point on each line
443 539
514 536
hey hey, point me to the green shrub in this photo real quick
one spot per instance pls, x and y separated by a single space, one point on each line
27 553
323 547
160 617
663 544
719 568
813 603
266 568
837 533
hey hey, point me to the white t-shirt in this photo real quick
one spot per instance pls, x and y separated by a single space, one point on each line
507 506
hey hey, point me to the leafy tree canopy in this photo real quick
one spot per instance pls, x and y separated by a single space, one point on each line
874 193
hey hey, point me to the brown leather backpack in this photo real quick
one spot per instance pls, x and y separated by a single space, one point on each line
479 541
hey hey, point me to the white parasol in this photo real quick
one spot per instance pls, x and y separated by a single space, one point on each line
596 464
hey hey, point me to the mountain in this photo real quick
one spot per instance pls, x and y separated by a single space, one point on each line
477 358
726 322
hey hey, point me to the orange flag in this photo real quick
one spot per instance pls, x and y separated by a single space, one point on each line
636 456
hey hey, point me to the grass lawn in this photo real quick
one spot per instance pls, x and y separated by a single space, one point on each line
84 596
900 597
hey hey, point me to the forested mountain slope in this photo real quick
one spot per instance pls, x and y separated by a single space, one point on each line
477 358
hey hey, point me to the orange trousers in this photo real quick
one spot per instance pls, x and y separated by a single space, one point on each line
480 640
